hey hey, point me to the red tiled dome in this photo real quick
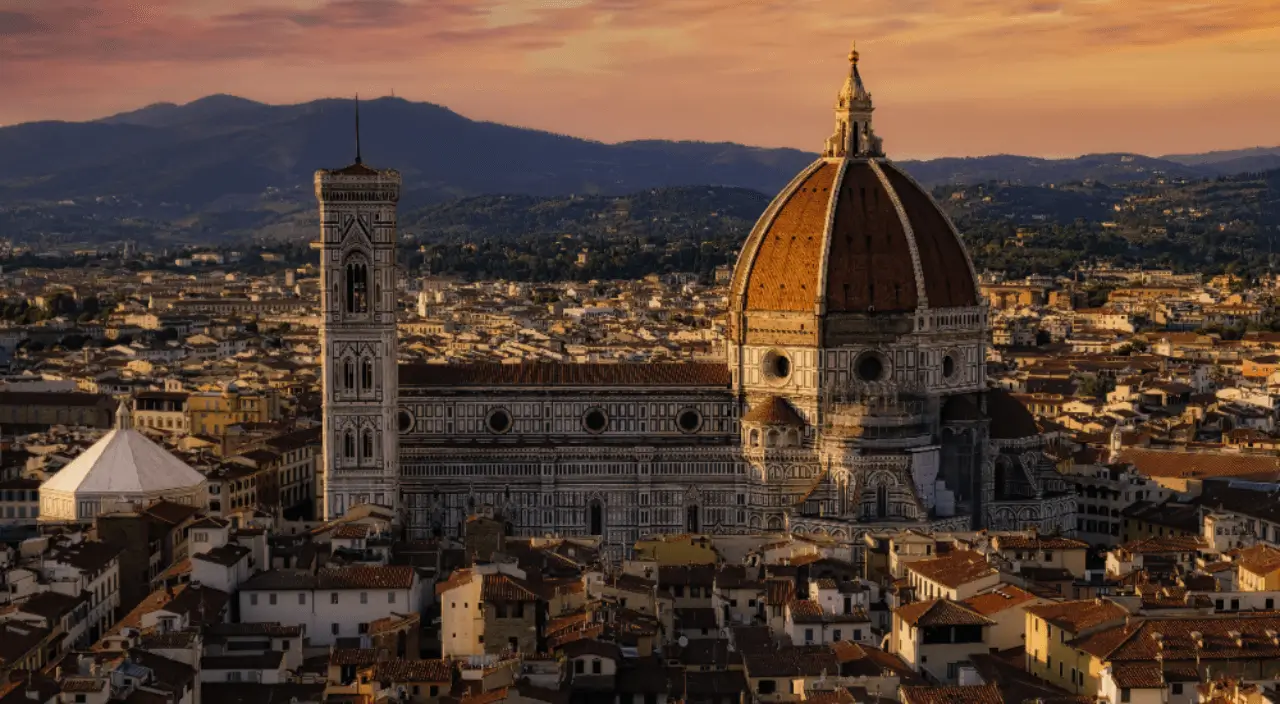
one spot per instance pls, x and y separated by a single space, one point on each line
880 244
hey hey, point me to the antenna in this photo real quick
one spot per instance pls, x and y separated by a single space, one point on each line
358 159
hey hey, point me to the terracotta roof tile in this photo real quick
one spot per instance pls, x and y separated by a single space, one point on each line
784 273
1182 464
940 612
505 588
1078 616
1002 598
1166 543
1023 542
773 411
953 569
947 279
952 694
401 670
1259 559
382 577
667 374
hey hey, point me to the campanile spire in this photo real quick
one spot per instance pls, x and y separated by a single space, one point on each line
358 159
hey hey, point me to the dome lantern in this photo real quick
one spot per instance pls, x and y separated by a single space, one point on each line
853 135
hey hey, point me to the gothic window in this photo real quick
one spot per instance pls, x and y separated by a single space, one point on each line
754 438
691 519
349 374
366 447
366 374
882 502
349 444
597 518
357 275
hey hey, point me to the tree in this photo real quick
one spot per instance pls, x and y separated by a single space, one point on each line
1092 386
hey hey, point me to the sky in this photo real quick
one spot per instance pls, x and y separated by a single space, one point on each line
949 77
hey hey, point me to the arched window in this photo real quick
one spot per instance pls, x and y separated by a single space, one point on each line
754 438
882 502
349 444
691 519
357 275
596 518
349 374
366 449
366 374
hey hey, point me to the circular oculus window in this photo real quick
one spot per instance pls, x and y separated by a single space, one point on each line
776 366
595 420
870 367
689 420
498 421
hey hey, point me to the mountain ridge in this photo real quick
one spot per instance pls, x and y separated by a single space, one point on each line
222 148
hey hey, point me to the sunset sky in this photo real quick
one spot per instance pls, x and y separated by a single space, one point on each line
950 77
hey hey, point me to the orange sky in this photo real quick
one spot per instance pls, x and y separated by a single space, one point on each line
950 77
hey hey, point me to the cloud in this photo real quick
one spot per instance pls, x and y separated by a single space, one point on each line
761 71
20 23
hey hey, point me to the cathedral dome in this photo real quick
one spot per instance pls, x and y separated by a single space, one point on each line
853 233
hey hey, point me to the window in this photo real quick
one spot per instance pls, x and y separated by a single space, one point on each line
364 597
595 666
366 450
253 600
348 374
302 599
835 635
362 628
271 599
333 598
579 667
1125 695
349 444
857 634
233 676
766 687
284 645
333 628
357 286
366 374
1177 688
391 597
808 635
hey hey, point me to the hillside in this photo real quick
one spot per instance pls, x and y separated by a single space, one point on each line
1203 225
223 150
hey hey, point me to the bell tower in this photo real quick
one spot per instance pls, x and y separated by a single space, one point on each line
358 334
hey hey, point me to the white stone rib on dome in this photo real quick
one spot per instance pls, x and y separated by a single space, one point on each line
127 462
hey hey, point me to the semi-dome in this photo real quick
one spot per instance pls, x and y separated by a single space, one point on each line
853 233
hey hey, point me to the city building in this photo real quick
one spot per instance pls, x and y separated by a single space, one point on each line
853 394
